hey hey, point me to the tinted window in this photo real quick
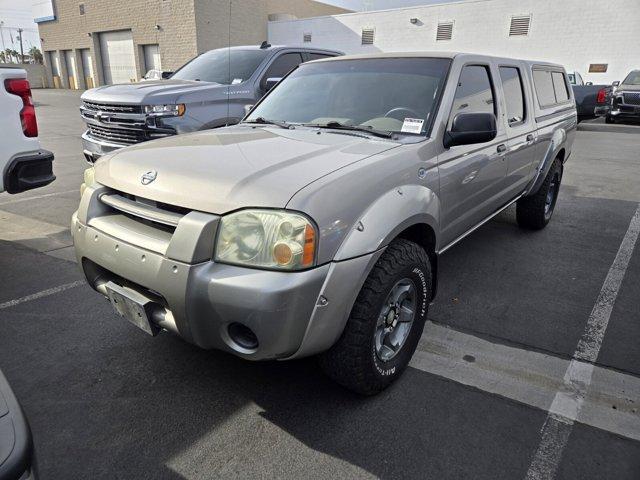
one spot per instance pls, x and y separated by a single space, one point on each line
544 87
216 65
513 94
474 93
380 93
318 56
560 87
633 78
282 65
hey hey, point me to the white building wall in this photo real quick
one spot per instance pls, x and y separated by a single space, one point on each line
574 33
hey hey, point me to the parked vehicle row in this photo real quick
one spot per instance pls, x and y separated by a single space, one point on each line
210 91
591 100
626 100
314 226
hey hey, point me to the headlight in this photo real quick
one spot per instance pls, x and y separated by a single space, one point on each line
165 110
266 239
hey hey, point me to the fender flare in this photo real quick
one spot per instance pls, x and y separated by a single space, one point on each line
379 225
557 143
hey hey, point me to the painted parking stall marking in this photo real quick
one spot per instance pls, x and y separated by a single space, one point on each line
569 400
43 293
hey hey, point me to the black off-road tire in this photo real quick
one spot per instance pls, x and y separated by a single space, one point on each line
609 119
530 211
353 361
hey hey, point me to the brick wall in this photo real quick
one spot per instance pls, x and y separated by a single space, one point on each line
186 28
36 73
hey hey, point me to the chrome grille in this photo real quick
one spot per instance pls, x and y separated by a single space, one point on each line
111 108
632 98
116 135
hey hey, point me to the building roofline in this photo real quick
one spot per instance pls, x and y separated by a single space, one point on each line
414 7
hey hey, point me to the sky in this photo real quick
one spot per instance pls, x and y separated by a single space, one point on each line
16 14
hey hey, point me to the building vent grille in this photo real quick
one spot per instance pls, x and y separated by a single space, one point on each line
368 35
445 31
306 38
520 25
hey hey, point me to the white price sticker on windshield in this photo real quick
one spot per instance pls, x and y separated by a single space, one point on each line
412 125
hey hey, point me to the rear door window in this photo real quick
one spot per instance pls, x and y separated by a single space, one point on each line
544 88
560 87
513 94
474 93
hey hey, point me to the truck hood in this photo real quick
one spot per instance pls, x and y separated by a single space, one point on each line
217 171
153 92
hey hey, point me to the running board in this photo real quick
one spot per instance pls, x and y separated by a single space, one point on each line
442 250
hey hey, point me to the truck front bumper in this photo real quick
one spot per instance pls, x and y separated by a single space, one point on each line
93 149
291 314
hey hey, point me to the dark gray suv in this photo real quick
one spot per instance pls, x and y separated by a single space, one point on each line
210 91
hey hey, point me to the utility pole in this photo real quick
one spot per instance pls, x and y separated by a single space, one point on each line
2 36
21 49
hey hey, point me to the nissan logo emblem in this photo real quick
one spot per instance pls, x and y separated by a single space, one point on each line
149 177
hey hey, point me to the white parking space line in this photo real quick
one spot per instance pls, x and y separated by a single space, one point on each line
570 399
43 293
11 201
531 378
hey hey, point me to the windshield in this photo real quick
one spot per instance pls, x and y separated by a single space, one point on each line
391 94
633 78
213 66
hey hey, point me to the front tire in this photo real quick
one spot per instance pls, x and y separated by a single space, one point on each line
386 321
535 211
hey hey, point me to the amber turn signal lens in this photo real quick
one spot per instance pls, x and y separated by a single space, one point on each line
309 250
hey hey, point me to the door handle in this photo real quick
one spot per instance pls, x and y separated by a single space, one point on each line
530 138
502 148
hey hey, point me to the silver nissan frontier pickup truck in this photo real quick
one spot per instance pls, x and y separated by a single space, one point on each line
314 226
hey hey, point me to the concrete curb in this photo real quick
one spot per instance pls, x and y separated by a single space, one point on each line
608 127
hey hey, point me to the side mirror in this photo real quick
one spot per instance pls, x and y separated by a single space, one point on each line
247 109
271 82
589 83
166 74
468 128
616 83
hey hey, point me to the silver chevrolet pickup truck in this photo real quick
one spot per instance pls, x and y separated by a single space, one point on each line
314 226
209 91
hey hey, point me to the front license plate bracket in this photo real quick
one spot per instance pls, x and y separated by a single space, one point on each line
133 306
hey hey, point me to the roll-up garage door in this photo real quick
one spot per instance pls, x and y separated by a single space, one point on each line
87 67
118 59
72 71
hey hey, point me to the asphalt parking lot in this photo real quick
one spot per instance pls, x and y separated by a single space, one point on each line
498 389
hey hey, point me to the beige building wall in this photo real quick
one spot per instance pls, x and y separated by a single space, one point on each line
181 28
244 22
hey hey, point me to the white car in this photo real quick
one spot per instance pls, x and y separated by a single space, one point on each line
23 163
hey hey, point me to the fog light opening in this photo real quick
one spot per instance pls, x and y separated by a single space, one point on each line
243 336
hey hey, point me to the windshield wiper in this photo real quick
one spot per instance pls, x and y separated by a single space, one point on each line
355 128
264 121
